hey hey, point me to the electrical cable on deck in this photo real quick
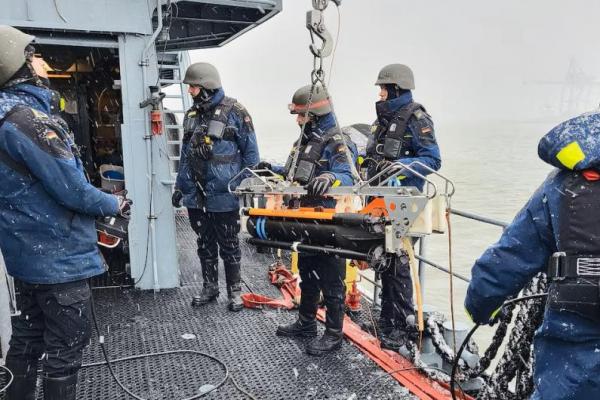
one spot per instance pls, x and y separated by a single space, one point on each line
108 362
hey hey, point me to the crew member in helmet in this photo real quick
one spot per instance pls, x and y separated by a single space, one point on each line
557 232
402 132
218 142
47 227
325 159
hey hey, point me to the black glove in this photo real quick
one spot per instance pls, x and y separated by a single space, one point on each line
205 151
201 146
320 185
500 314
124 206
176 198
383 164
264 165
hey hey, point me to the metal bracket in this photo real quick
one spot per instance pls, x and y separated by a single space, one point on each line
403 212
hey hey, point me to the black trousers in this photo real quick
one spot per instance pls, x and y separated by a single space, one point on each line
55 321
323 274
218 236
396 295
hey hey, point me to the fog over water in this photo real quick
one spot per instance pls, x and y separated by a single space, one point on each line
495 76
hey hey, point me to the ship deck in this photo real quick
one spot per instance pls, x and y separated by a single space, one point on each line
269 367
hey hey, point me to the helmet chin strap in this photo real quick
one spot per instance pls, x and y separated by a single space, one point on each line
308 127
204 97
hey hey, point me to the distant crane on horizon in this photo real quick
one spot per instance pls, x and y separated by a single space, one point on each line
577 91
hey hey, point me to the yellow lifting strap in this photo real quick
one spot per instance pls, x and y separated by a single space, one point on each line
407 242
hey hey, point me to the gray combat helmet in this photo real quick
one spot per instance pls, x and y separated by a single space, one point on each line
396 74
320 104
204 75
12 51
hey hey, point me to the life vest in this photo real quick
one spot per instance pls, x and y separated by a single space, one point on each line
392 141
216 126
575 269
309 158
199 130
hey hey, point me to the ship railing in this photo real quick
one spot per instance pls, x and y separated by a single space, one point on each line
371 293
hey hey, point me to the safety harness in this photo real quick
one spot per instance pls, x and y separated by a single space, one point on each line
575 269
203 134
216 128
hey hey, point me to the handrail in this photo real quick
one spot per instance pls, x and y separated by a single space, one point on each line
253 172
464 214
371 281
444 269
395 169
479 218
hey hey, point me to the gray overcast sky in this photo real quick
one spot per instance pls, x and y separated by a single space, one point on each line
472 59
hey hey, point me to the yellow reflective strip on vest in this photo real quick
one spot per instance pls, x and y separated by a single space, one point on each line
570 155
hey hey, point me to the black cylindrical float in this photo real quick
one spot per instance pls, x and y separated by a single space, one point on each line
354 236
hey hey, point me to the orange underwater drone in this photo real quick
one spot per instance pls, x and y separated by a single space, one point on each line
275 214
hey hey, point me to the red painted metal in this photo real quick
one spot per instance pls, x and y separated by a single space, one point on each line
281 277
353 298
408 375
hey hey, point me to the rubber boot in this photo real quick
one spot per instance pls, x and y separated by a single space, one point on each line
330 341
235 301
306 324
209 293
234 284
393 340
303 327
333 337
400 336
63 388
24 381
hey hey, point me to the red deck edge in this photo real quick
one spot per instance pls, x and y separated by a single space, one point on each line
414 380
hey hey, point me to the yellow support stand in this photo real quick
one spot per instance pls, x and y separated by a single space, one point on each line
294 268
351 276
415 277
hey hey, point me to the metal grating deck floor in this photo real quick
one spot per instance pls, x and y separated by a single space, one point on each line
268 366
